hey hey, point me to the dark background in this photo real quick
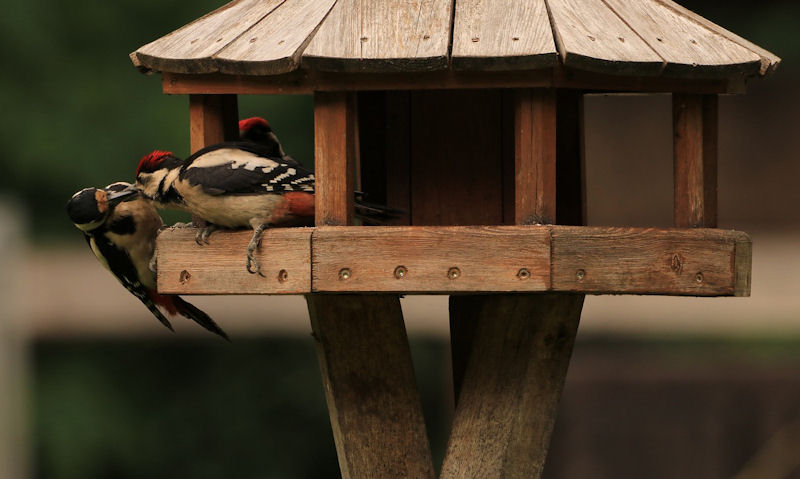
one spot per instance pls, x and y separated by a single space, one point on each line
76 113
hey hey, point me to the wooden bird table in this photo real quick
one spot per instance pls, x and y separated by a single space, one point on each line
494 214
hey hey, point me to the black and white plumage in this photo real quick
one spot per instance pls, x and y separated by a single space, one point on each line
120 227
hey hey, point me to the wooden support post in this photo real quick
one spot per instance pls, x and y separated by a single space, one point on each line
535 156
509 398
372 395
695 158
212 119
334 152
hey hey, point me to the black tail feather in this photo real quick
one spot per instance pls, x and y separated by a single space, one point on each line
194 313
159 316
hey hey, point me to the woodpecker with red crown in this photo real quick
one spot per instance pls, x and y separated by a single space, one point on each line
238 185
120 227
258 130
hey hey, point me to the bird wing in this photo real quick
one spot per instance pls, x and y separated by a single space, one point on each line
243 168
118 261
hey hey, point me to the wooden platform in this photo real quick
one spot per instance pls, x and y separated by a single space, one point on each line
461 259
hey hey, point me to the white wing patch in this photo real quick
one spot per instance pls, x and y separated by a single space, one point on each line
234 159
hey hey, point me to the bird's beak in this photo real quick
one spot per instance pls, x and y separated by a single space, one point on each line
115 197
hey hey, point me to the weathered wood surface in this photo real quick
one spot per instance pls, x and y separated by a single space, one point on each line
686 46
274 44
372 396
268 37
421 259
590 36
701 262
695 135
190 48
184 267
535 156
502 35
769 61
509 399
334 154
212 119
391 35
307 82
593 260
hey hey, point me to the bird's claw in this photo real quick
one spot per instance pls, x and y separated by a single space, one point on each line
252 265
202 235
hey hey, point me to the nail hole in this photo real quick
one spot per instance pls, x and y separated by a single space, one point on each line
283 276
580 274
184 277
591 37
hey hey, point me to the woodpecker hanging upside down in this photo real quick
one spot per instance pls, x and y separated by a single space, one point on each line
120 227
258 130
237 185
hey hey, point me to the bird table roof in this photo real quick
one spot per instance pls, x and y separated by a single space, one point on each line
616 37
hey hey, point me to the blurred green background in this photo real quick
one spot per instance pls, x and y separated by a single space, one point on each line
76 113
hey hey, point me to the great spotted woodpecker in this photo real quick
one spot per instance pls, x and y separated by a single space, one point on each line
238 185
258 130
120 227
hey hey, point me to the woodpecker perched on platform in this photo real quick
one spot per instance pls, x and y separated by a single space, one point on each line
258 130
237 185
120 227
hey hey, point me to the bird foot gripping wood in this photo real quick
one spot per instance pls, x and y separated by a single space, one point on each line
202 235
252 265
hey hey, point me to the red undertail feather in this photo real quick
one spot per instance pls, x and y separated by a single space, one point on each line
300 203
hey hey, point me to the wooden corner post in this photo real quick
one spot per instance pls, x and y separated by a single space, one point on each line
365 360
212 119
508 394
694 120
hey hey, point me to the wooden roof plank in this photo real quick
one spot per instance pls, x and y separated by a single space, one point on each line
502 34
274 44
685 45
769 61
190 48
393 35
592 37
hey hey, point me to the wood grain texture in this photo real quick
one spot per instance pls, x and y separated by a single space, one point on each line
535 157
693 262
391 35
273 45
502 35
190 48
307 82
695 135
590 36
439 259
372 396
513 382
456 157
184 267
610 260
686 46
769 61
212 119
334 154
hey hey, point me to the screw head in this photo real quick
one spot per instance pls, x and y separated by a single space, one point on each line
283 276
344 274
453 273
698 277
580 274
523 274
400 272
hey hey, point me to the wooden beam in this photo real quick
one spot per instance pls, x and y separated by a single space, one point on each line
423 259
334 152
212 119
535 156
184 267
372 396
695 159
596 260
304 82
508 402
